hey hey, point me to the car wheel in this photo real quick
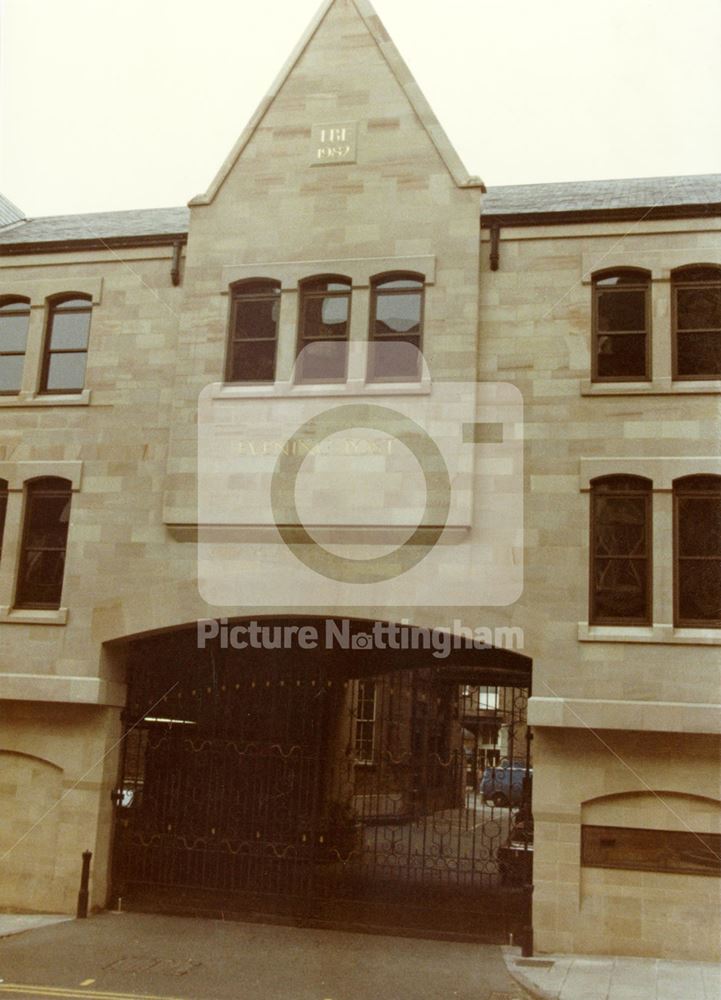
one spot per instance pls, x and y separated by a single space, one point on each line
499 799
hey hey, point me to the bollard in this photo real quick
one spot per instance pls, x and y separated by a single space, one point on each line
527 942
84 882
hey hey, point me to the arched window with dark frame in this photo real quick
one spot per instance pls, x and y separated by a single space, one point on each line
697 551
66 343
253 335
620 550
396 327
44 542
696 312
324 329
622 325
14 323
3 510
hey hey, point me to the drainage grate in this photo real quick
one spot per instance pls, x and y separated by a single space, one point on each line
537 963
147 963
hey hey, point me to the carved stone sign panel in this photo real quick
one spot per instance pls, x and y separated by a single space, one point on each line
334 143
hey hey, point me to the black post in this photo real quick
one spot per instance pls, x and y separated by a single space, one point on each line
84 882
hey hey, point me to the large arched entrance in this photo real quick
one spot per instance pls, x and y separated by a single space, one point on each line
306 769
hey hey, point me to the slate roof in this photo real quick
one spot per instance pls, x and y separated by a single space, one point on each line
143 222
699 194
612 195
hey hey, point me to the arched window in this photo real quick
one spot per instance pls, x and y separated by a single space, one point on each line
14 322
66 344
3 510
324 329
620 551
396 327
253 336
697 551
621 325
44 540
696 296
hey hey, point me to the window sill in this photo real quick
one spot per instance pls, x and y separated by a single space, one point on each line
658 387
652 634
301 390
46 399
33 616
628 714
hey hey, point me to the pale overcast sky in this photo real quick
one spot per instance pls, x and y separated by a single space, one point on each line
111 104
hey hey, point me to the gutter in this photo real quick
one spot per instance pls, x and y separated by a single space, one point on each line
96 243
493 221
566 217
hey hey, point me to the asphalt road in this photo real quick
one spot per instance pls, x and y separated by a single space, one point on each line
133 956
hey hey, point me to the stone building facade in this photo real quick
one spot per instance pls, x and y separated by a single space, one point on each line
345 176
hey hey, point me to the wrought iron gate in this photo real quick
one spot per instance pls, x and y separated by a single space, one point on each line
271 787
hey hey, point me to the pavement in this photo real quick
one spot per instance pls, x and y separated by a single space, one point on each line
605 977
132 956
16 923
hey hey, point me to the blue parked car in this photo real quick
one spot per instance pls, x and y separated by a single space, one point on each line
503 785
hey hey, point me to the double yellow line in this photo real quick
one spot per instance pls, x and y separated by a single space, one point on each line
75 994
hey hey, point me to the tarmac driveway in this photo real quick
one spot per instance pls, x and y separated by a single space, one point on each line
116 956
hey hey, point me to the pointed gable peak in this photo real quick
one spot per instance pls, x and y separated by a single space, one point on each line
402 75
10 214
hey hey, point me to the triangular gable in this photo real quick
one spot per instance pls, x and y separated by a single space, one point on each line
402 75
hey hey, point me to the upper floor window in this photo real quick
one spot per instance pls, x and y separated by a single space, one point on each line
66 344
44 541
620 551
255 307
696 322
621 326
14 322
365 720
697 551
3 509
324 329
396 327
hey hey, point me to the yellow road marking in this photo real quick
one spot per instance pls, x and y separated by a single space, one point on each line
87 982
74 994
